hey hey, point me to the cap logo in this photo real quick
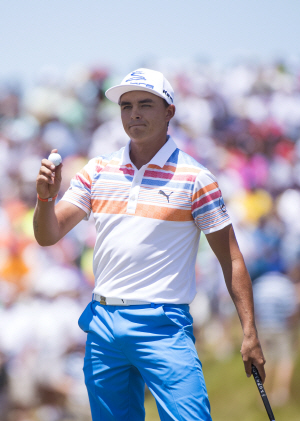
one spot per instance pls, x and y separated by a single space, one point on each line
135 76
167 94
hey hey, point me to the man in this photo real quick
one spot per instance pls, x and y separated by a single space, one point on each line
150 202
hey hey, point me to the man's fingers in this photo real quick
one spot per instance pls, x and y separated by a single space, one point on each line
44 179
259 365
261 371
247 365
48 164
47 170
58 168
47 174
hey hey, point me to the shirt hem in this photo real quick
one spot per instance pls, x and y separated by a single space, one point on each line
80 206
217 228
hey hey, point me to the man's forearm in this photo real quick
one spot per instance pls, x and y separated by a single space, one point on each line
52 222
45 224
240 289
239 286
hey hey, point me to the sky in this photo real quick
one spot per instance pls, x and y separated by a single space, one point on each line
123 34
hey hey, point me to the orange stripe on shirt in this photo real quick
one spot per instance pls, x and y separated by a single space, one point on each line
163 213
205 190
115 162
190 170
109 206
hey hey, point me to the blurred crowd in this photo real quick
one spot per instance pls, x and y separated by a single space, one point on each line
240 121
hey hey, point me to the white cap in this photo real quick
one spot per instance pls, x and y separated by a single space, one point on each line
143 80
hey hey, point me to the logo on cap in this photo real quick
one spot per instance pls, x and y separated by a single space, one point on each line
136 76
167 94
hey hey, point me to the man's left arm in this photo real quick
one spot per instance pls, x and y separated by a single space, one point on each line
225 246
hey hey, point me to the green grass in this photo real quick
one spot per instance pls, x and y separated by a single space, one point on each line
234 397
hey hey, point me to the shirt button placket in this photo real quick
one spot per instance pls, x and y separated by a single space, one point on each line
135 189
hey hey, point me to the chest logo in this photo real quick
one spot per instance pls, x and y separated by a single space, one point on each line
164 194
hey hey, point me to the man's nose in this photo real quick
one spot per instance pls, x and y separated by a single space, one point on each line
135 113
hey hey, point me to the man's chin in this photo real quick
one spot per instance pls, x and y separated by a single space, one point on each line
137 131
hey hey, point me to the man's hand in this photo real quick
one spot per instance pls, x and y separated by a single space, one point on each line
49 179
53 221
252 354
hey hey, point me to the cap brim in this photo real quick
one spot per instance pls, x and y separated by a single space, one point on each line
115 93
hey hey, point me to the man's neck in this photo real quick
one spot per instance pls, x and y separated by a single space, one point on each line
141 154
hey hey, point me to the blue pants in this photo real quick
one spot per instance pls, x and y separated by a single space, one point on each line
129 346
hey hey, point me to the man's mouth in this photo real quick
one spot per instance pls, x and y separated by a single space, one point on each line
136 125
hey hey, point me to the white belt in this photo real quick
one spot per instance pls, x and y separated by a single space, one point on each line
111 301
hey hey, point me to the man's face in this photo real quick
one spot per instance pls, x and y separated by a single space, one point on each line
145 115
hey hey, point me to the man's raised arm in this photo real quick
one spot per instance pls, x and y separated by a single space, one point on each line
50 222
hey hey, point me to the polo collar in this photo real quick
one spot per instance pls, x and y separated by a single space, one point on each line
159 159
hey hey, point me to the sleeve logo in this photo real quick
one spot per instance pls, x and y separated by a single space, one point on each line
222 204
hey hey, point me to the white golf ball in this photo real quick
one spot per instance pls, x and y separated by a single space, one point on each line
55 158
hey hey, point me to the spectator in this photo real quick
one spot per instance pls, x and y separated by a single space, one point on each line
276 310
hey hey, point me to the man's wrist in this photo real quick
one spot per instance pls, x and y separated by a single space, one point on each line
250 332
49 199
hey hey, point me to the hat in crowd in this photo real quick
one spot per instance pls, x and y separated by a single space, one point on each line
143 80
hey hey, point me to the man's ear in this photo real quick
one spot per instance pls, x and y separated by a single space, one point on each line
170 112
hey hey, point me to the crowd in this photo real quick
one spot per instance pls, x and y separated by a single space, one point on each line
241 121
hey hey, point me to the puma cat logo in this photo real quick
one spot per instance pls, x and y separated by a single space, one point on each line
164 194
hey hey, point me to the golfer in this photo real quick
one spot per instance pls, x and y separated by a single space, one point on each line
150 201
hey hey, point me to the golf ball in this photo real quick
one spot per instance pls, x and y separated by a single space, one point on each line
55 158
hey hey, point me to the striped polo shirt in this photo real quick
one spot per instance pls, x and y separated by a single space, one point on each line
148 222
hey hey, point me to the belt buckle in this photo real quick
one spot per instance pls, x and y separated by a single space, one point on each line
102 300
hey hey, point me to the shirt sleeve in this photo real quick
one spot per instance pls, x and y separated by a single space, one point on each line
79 192
208 207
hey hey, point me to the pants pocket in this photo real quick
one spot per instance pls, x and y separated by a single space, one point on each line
178 315
86 318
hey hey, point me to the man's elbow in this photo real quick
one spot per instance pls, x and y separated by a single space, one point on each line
44 241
